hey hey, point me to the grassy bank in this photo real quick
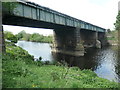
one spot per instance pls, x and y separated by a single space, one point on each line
112 37
20 71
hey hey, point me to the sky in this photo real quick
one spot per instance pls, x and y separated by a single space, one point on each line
98 12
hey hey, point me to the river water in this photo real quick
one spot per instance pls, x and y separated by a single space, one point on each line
104 62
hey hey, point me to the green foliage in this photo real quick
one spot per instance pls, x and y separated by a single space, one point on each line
35 37
112 37
21 34
108 31
55 76
20 71
117 23
10 36
9 6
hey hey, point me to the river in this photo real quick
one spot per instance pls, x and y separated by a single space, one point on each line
104 62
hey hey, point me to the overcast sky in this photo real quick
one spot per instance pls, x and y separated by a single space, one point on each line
98 12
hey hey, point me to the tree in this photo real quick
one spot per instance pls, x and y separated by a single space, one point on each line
9 6
10 36
21 35
117 23
35 37
108 30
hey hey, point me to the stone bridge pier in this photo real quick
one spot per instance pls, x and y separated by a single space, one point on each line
89 38
67 41
102 38
75 41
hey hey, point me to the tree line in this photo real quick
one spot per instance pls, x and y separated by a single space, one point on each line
117 23
35 37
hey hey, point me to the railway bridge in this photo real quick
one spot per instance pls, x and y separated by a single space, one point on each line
71 35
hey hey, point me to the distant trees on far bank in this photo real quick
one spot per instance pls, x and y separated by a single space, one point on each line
35 37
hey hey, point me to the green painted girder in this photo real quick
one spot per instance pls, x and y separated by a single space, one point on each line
37 12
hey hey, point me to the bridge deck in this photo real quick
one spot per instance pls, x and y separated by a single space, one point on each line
36 12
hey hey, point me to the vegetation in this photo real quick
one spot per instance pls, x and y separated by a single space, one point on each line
112 37
10 36
35 37
117 23
9 6
20 71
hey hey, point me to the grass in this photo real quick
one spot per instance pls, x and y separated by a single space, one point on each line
112 37
20 71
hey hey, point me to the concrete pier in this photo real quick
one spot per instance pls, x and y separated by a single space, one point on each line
102 37
68 42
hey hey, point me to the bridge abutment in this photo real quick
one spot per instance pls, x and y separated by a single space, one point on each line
68 42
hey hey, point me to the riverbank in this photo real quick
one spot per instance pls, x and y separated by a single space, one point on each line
112 37
20 71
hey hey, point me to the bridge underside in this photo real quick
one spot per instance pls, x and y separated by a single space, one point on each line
27 22
67 40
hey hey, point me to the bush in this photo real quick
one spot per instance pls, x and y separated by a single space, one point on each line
10 36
